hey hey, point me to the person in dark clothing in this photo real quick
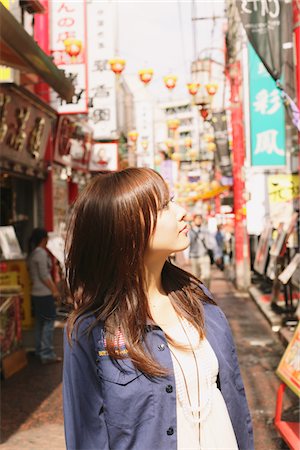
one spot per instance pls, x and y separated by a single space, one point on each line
43 294
149 359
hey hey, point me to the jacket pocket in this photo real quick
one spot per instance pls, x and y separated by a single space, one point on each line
128 396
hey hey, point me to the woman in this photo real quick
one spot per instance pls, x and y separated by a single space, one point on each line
43 296
149 358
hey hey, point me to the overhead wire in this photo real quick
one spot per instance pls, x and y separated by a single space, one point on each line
182 38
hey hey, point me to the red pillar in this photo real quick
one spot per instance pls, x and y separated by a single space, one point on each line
73 192
41 35
238 146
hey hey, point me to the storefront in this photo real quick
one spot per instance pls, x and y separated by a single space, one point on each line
70 167
26 125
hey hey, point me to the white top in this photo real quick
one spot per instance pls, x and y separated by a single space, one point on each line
213 424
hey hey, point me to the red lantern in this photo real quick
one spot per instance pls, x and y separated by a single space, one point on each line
170 81
133 135
188 142
193 88
145 144
146 75
173 124
117 65
73 47
204 113
211 88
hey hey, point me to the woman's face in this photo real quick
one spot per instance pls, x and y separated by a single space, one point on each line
170 234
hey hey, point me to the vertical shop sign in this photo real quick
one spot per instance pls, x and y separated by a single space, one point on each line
101 80
268 26
219 123
68 48
267 120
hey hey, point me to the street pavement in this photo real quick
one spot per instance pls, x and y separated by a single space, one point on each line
31 402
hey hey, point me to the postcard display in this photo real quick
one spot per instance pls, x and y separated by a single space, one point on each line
14 283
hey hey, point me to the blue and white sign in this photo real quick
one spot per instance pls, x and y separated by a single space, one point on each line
267 116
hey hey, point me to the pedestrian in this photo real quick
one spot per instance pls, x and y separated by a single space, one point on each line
203 250
43 295
220 238
149 358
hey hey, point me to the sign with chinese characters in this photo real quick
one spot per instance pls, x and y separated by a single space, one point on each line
267 24
68 48
24 128
283 193
104 156
72 143
219 123
267 120
101 80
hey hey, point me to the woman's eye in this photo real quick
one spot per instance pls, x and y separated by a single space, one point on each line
166 205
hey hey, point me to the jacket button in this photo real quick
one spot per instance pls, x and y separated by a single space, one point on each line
169 389
161 347
170 431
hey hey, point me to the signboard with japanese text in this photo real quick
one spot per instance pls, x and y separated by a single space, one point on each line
104 156
289 368
68 49
24 130
266 23
283 194
219 123
267 117
101 80
72 143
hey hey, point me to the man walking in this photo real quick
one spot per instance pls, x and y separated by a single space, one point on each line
203 248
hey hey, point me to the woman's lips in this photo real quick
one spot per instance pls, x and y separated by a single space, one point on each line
184 229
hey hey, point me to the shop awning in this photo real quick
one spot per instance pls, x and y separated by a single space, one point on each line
19 50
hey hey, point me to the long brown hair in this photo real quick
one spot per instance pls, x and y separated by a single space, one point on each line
109 230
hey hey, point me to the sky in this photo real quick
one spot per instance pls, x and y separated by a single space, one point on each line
159 34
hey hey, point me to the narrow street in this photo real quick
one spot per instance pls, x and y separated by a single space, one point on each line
32 399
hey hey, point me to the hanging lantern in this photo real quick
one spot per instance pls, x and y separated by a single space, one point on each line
188 142
169 143
158 160
211 88
146 75
133 135
208 137
144 144
176 156
117 65
170 81
173 124
211 147
204 113
193 88
73 47
192 153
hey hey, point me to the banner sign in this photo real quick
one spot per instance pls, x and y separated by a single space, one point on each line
101 79
219 123
68 48
268 24
267 116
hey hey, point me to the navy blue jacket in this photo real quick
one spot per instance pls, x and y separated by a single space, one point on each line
106 408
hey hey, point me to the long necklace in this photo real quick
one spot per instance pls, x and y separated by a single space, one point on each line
192 413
